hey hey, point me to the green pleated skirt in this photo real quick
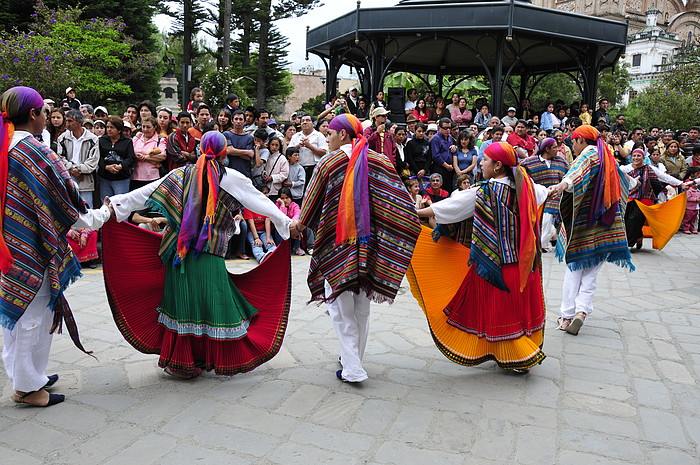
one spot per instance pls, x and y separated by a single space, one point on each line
199 299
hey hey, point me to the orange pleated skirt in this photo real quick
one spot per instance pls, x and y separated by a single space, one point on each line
491 324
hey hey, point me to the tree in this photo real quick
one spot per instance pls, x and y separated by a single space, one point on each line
135 18
315 106
203 61
671 102
613 83
217 84
60 49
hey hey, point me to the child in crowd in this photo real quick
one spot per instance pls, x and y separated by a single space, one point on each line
292 210
259 232
419 201
276 168
257 164
297 176
296 182
690 220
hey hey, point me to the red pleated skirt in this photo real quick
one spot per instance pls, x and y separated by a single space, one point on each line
134 276
480 308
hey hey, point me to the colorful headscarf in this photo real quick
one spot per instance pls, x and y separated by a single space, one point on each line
545 144
606 188
528 217
206 176
14 102
353 207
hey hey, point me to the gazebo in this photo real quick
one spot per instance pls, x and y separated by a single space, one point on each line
497 39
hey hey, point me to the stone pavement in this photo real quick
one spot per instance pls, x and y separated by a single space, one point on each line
625 391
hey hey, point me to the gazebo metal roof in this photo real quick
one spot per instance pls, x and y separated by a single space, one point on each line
497 39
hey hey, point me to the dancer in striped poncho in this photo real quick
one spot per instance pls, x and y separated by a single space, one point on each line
366 228
593 231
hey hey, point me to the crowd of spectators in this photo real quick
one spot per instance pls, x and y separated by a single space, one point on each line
437 150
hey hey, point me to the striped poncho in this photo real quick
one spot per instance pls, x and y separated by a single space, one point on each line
40 208
583 246
377 266
547 176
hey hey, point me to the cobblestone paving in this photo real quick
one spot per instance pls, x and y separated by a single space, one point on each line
625 391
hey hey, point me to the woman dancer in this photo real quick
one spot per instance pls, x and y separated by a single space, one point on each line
194 313
494 309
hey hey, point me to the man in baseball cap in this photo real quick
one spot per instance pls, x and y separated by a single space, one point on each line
70 99
379 138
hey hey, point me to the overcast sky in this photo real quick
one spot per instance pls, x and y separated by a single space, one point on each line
295 28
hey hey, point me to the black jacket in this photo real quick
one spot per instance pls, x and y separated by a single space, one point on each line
124 150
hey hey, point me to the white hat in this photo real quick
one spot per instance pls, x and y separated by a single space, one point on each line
102 109
511 109
48 101
432 127
68 89
380 111
127 125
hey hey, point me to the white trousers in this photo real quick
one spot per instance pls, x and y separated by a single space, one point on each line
25 352
548 230
579 287
350 315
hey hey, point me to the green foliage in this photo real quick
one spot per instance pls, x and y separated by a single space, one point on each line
470 88
60 49
550 89
216 85
672 102
613 83
315 106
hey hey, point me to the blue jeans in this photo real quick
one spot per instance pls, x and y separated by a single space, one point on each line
258 252
238 241
109 188
87 197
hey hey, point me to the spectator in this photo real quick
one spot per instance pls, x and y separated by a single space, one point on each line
482 118
182 147
692 141
146 109
276 168
454 103
203 117
523 142
525 111
378 102
292 210
56 127
464 159
116 159
233 103
602 111
101 113
223 120
410 104
311 143
196 94
353 101
150 153
240 146
99 128
131 114
166 125
435 192
417 153
673 160
510 119
461 115
439 111
442 147
619 124
379 138
421 111
70 100
362 112
585 114
79 151
260 156
87 111
548 120
690 220
259 232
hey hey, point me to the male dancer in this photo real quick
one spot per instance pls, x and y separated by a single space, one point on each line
366 228
593 230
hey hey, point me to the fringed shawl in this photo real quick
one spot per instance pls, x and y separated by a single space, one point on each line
41 205
583 246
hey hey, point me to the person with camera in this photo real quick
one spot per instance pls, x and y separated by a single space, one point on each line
117 159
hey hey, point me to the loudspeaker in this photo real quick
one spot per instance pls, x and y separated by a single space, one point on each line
396 99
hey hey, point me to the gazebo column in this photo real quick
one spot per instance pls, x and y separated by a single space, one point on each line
590 84
332 76
522 92
376 72
497 81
